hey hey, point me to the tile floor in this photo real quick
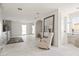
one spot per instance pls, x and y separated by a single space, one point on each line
29 48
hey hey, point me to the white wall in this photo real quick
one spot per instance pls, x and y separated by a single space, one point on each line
16 29
0 22
1 40
29 28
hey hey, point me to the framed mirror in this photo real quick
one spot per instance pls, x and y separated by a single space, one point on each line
48 25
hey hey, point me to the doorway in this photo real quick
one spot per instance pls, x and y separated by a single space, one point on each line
71 30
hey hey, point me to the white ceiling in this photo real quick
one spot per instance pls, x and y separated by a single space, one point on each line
29 11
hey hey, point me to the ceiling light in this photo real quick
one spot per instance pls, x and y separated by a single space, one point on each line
20 9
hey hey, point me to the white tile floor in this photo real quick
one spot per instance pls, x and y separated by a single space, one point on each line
29 48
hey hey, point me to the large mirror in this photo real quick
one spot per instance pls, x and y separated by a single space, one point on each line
48 25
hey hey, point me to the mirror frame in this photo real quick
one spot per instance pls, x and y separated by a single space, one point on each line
53 18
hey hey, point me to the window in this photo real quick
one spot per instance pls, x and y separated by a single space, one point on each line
33 29
24 29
